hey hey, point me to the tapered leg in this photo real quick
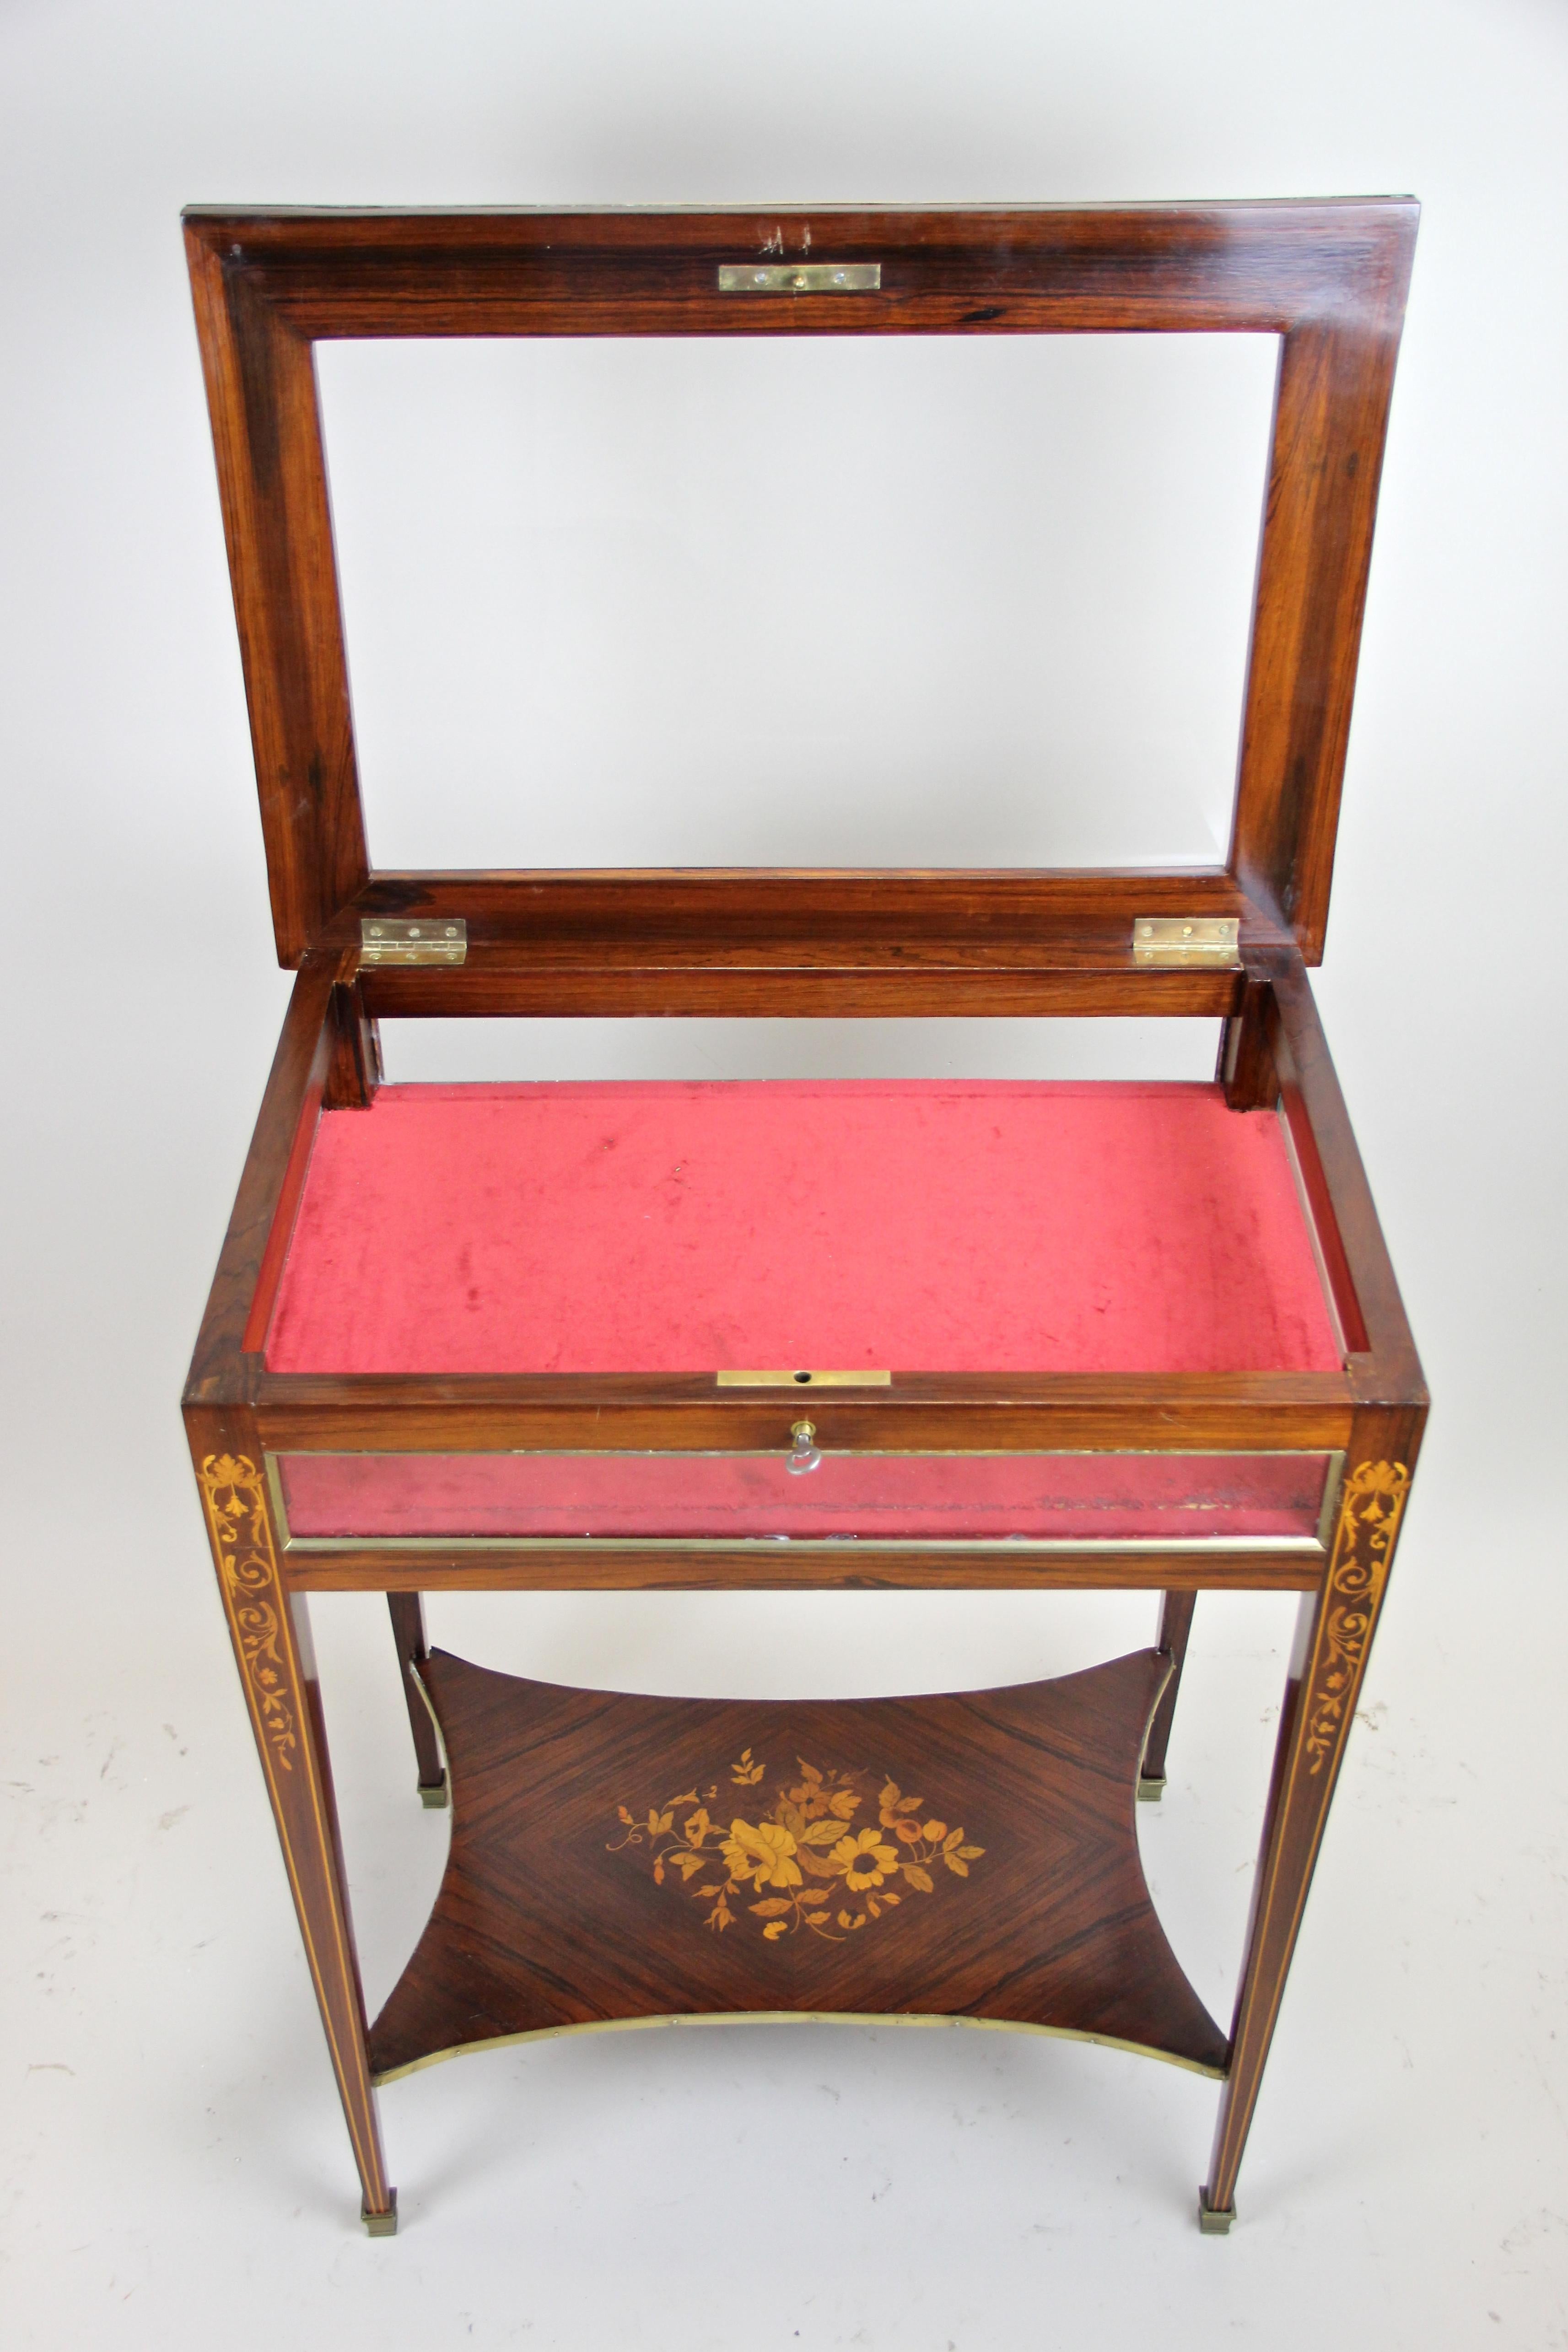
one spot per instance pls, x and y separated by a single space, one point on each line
1176 1626
1333 1637
271 1635
408 1633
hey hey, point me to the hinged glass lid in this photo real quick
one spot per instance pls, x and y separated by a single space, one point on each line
877 600
1327 279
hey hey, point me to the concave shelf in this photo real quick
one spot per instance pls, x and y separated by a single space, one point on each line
616 1859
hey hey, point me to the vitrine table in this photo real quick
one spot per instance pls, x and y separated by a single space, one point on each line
771 1336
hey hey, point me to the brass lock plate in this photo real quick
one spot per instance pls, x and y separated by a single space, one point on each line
799 277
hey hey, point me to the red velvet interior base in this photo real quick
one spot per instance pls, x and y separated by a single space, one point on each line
915 1226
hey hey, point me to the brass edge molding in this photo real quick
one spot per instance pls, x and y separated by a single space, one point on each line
1332 1455
272 1467
233 1495
689 2018
825 1546
1333 1489
1371 1508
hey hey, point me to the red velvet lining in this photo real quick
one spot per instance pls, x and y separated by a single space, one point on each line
913 1225
1079 1498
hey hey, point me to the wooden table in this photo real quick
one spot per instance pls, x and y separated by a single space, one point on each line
771 1337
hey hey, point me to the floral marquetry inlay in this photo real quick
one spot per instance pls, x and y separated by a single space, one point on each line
236 1500
1369 1515
829 1852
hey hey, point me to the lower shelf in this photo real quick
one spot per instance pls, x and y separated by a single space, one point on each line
618 1860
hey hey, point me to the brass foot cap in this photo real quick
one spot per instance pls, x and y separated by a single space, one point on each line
380 2225
1214 2221
435 1793
1151 1791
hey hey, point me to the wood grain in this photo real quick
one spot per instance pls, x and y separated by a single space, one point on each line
803 943
1383 1366
796 1568
1334 1640
270 1630
1192 1412
407 1613
1329 278
271 1183
551 1913
1245 1065
1026 268
272 481
354 1071
1336 378
1176 1632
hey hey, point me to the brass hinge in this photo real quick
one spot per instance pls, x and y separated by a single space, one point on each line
442 939
1172 940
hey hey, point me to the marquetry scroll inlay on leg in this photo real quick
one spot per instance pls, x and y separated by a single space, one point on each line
1338 1626
270 1630
1369 1515
247 1567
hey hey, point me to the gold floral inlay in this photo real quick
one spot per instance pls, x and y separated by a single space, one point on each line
236 1500
808 1859
1369 1514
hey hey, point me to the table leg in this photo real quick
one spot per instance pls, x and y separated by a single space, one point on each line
1333 1637
271 1635
1175 1627
408 1633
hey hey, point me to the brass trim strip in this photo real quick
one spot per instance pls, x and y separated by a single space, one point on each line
798 2017
840 1546
272 1473
770 1454
1333 1482
804 1380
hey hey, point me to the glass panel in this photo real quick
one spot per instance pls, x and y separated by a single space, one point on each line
762 1047
905 601
1260 1499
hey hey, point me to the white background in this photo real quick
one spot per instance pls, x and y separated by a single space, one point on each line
174 2168
956 602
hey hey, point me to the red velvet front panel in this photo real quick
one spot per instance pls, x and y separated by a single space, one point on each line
951 1498
913 1225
